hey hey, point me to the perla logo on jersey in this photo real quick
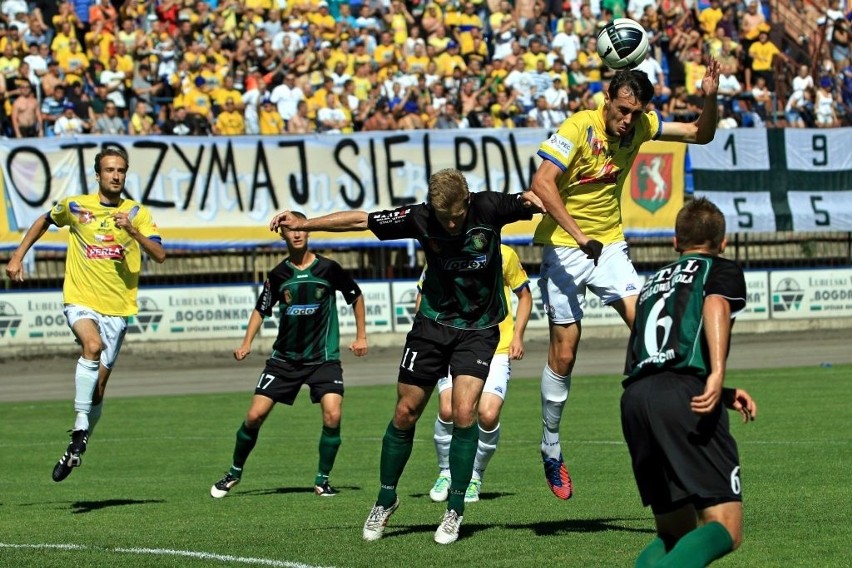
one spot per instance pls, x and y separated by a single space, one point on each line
466 264
115 252
302 310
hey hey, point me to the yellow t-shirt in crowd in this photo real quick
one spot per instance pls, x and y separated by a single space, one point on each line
103 263
594 167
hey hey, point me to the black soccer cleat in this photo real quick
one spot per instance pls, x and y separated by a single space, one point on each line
325 490
73 455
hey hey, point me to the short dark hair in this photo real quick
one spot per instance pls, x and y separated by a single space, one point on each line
110 151
700 223
633 80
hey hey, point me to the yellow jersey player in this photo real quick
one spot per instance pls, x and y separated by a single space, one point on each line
511 346
106 238
579 183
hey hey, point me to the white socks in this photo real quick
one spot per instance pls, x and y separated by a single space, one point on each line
85 381
485 449
443 437
554 394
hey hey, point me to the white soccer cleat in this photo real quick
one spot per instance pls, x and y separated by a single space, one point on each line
448 530
441 490
375 525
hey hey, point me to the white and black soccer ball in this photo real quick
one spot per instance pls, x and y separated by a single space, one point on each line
622 44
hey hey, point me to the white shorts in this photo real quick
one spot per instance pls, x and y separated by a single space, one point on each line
497 382
566 273
111 328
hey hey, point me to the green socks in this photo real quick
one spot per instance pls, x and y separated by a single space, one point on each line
246 439
699 547
396 449
328 445
651 554
462 455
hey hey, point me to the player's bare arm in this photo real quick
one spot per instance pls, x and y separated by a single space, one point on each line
522 317
254 323
15 266
544 187
335 222
741 401
152 248
703 130
717 330
359 346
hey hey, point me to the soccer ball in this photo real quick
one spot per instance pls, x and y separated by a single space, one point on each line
622 44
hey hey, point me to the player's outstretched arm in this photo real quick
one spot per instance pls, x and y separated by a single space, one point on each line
335 222
703 130
522 317
15 266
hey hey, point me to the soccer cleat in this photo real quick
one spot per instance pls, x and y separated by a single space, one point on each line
472 493
72 456
325 490
441 490
557 476
221 487
378 520
448 530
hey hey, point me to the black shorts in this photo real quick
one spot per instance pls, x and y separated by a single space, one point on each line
281 380
678 456
431 349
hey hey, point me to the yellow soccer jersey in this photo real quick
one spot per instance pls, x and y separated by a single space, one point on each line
514 280
594 166
103 263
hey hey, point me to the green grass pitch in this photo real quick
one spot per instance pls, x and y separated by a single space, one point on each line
141 497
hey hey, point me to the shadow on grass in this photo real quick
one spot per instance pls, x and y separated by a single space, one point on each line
80 507
486 496
553 528
289 490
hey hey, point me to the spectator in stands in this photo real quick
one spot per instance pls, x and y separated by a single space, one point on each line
797 107
654 71
269 119
230 120
380 116
52 108
287 95
764 99
68 124
178 123
730 88
141 123
826 114
300 123
26 116
591 64
331 119
143 88
109 122
762 54
449 117
566 43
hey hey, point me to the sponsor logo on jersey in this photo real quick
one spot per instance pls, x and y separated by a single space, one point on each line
561 145
84 216
114 252
480 241
597 145
105 238
319 294
303 310
391 217
288 297
466 264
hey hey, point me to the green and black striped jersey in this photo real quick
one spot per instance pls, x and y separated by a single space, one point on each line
463 283
308 332
668 333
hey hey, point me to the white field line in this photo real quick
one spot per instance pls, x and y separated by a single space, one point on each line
168 552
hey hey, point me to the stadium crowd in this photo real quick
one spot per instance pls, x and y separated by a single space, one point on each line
232 67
